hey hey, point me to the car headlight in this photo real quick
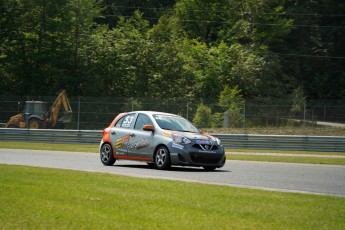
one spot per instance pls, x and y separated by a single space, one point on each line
218 141
181 139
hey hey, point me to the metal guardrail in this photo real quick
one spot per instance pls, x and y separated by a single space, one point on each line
284 142
231 141
51 135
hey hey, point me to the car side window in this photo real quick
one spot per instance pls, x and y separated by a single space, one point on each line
126 121
119 122
142 120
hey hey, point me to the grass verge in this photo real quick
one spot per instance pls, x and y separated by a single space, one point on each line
306 157
288 159
50 146
292 152
41 198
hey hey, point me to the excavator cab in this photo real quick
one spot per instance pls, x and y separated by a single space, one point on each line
35 112
38 108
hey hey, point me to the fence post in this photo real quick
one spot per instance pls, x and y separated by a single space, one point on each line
305 112
226 119
324 112
244 116
78 124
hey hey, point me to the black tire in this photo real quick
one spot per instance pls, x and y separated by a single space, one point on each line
35 123
106 155
162 158
151 165
209 168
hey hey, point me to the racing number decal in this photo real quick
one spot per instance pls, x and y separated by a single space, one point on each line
127 122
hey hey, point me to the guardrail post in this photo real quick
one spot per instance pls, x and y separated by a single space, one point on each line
27 120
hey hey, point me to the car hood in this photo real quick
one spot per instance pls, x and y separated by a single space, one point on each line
197 136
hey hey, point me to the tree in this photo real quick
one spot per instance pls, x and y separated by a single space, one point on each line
133 52
40 49
231 101
299 101
202 117
313 51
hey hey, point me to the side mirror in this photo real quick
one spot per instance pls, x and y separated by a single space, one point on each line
149 128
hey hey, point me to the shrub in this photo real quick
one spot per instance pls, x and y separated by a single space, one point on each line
203 117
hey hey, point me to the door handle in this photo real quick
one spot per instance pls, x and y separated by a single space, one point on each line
132 134
113 132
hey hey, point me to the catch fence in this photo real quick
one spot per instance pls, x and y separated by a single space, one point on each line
95 113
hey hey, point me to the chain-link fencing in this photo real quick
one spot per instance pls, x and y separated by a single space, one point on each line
95 113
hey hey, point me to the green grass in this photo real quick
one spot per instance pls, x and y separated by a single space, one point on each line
292 157
288 159
41 198
296 152
49 146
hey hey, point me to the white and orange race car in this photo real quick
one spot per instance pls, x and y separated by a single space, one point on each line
160 139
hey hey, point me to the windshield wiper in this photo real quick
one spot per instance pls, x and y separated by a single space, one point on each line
187 131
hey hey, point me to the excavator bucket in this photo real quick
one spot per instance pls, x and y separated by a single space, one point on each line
66 118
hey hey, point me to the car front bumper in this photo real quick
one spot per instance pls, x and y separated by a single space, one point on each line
187 155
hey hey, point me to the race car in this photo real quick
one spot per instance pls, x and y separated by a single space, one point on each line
160 139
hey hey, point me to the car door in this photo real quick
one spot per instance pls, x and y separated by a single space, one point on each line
140 145
120 134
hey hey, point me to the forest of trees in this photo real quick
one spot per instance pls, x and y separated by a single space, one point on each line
173 49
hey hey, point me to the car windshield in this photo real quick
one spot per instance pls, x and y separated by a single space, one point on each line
175 123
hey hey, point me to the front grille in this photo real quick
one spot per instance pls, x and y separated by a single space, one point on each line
205 147
205 158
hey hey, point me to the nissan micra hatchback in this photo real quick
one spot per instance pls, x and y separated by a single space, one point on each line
160 139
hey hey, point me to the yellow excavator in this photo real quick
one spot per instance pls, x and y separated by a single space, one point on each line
36 115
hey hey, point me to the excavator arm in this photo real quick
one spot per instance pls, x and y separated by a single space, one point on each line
61 100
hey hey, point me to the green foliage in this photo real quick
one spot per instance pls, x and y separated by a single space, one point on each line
217 120
298 101
41 46
132 105
230 97
203 117
231 101
190 48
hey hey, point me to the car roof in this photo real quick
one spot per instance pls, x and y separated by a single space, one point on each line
154 113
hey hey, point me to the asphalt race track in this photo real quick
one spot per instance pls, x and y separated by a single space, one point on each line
288 177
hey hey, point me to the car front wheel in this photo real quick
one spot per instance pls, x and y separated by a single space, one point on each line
106 155
162 158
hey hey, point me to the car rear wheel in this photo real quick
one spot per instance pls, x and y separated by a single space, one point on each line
162 158
151 165
106 155
209 168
